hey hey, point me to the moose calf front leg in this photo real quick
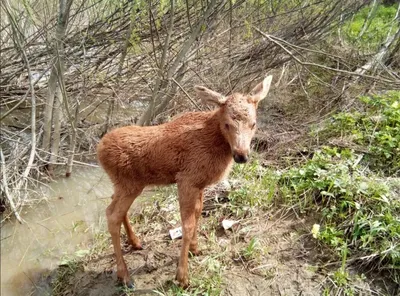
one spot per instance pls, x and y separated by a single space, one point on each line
188 200
193 248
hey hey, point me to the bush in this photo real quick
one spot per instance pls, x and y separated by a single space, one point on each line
377 28
377 129
360 215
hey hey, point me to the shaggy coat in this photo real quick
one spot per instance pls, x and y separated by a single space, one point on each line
194 150
168 153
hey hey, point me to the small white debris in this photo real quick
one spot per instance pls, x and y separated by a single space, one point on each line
315 230
223 242
225 185
226 224
175 233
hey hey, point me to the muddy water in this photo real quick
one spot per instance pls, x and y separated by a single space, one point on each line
61 227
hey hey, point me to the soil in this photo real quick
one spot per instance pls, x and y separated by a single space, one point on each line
286 260
290 261
286 266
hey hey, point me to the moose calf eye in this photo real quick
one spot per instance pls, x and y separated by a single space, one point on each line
227 126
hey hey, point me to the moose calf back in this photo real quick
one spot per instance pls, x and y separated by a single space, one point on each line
190 147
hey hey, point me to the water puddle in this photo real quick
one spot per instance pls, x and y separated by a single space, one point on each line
59 227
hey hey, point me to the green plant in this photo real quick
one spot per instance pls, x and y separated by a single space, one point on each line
206 280
64 272
258 187
252 250
359 213
376 129
376 27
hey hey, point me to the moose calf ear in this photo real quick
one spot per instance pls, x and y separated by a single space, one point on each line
210 96
261 90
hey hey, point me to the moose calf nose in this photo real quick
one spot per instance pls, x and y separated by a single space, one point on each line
240 158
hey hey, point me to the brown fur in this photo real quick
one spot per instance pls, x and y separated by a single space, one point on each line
194 150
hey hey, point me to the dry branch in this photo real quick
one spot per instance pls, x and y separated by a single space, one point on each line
5 188
279 42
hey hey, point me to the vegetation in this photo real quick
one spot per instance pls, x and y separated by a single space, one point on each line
369 28
324 185
375 129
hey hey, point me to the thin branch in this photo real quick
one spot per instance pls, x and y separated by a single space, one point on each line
376 78
5 188
32 89
187 95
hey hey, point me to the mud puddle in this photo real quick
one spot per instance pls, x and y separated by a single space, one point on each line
60 227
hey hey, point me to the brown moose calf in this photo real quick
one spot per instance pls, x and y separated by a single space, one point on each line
195 150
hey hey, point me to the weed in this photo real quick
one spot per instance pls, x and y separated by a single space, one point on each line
66 270
252 250
357 210
377 27
360 210
257 191
377 129
206 279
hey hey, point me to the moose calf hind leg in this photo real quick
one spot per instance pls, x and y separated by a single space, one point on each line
133 240
116 213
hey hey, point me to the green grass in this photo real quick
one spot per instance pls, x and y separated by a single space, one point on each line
375 130
377 28
258 186
359 212
63 274
352 187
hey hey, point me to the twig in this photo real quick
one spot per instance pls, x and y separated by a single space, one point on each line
5 188
33 98
187 95
274 40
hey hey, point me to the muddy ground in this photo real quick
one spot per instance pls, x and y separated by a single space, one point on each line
270 252
285 260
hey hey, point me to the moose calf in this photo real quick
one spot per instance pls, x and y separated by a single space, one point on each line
194 150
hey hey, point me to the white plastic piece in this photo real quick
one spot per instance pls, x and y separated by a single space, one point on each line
175 233
226 224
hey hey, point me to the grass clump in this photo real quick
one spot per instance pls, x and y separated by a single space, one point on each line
369 32
64 272
359 212
258 186
351 187
376 129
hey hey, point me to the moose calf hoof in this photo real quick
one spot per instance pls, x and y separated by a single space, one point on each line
129 284
135 245
195 252
182 278
124 279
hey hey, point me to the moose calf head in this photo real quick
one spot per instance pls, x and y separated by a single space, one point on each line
238 116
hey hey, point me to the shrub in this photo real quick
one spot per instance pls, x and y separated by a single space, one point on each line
377 129
360 215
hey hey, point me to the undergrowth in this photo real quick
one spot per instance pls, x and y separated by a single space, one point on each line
360 215
367 32
375 130
350 184
354 187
